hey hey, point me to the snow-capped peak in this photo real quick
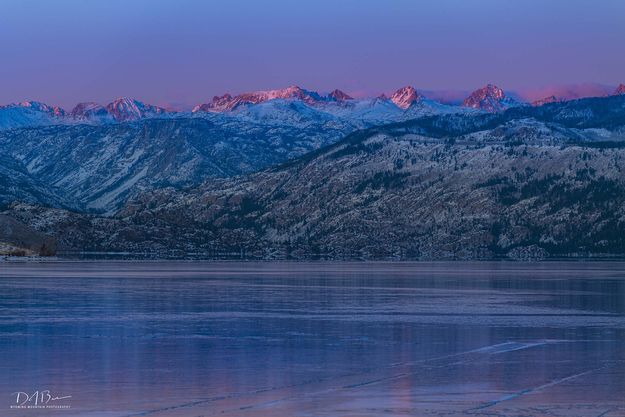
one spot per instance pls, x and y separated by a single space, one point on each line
125 108
35 105
290 92
30 114
620 90
490 98
406 97
228 102
338 95
42 107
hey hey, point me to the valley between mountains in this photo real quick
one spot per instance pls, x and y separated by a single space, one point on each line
292 174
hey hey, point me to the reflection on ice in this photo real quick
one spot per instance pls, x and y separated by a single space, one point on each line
324 339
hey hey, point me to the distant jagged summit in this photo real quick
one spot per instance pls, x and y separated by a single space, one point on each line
88 111
546 100
489 98
293 101
406 97
42 107
228 102
30 114
124 109
338 95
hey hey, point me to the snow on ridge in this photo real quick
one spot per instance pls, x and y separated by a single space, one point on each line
125 108
406 97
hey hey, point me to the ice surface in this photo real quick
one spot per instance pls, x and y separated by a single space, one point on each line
323 339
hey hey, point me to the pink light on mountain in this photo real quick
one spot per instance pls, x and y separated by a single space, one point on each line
566 92
406 97
546 100
125 108
339 95
489 98
228 102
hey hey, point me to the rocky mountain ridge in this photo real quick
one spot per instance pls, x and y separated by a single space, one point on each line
406 97
99 167
34 114
337 103
530 182
490 98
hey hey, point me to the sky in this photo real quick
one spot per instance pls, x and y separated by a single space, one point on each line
179 53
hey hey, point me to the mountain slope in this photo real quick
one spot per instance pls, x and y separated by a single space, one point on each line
91 111
16 184
528 183
546 100
489 98
124 109
227 102
102 156
19 238
406 97
101 166
29 114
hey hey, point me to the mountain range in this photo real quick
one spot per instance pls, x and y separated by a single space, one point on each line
292 174
489 98
31 113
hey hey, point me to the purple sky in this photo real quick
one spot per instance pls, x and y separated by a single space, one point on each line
185 51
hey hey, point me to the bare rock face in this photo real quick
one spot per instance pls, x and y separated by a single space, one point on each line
340 96
228 103
19 239
406 97
90 111
489 98
124 109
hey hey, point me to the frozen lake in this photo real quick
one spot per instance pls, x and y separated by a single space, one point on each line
314 339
